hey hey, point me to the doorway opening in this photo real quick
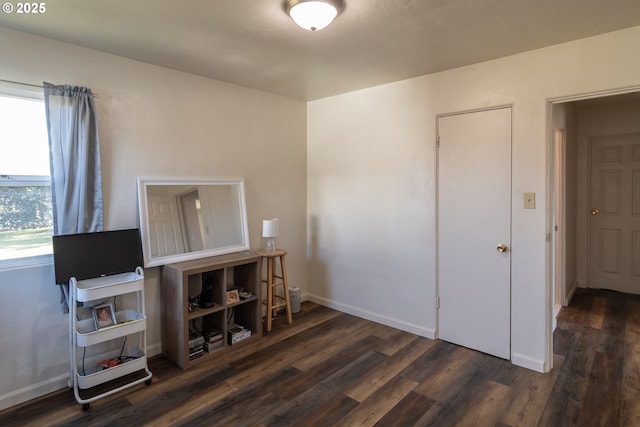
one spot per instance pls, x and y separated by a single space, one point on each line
579 182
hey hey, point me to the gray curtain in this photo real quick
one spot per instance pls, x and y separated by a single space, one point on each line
74 154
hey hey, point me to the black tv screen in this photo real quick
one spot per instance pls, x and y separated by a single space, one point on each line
89 255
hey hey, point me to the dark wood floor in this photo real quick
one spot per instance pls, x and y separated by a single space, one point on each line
333 369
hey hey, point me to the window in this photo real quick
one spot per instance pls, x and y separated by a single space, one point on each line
26 218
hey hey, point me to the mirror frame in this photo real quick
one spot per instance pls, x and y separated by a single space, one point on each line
143 183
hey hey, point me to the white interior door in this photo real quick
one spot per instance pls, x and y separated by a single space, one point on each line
164 221
474 220
614 196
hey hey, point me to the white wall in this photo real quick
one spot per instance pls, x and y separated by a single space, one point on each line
153 122
563 117
371 183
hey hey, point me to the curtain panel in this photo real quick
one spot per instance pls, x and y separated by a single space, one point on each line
74 154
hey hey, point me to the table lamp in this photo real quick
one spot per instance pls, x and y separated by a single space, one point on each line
270 230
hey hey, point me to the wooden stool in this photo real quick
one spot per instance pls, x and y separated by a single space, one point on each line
273 300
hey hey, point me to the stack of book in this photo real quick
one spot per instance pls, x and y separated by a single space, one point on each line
213 340
196 342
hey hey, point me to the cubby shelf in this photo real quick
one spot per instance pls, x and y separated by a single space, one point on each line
199 312
210 279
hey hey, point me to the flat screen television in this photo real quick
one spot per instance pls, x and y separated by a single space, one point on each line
102 253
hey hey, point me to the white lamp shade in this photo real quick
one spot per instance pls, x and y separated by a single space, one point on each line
313 15
270 228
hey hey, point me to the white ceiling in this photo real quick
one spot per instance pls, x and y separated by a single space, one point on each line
254 44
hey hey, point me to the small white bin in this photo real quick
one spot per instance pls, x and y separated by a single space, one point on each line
294 297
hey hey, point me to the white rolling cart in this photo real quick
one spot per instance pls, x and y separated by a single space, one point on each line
87 371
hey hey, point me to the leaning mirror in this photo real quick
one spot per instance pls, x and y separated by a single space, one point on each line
183 220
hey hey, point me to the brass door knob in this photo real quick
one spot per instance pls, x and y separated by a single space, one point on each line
502 247
595 211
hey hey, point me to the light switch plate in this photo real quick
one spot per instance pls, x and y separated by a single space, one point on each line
529 200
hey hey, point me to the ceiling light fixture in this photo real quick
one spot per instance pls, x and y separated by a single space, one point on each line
313 15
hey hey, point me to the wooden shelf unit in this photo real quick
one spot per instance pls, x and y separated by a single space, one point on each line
189 279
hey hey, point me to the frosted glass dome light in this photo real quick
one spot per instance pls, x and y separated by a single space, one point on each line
313 15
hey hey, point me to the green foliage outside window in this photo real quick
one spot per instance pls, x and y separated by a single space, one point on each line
25 208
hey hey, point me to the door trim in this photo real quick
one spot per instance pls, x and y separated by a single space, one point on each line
558 236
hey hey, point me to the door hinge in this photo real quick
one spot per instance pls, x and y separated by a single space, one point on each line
548 237
437 302
437 140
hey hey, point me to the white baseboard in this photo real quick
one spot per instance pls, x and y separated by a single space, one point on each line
572 292
374 317
154 349
529 363
34 391
516 358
